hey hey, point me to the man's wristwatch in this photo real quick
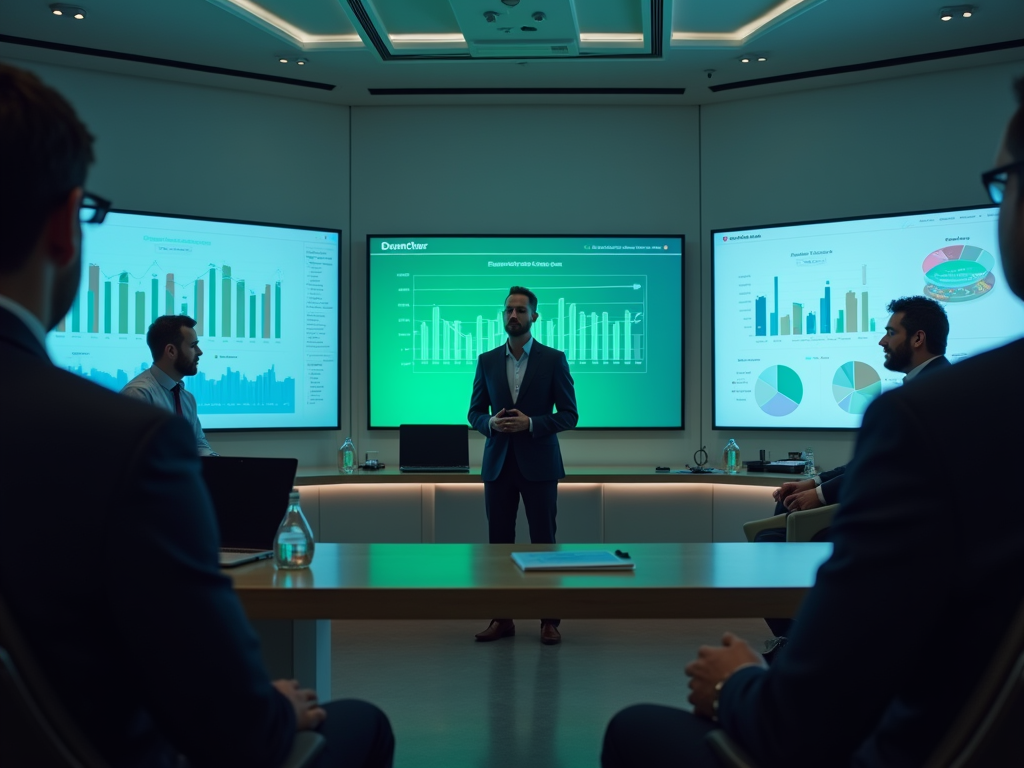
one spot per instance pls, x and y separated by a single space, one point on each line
714 701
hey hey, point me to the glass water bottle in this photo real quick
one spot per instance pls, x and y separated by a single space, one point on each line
293 544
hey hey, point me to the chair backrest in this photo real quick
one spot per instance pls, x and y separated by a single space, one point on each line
803 524
989 730
36 730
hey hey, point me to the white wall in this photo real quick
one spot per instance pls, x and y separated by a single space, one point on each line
896 145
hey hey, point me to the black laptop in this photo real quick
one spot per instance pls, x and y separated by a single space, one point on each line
433 448
250 497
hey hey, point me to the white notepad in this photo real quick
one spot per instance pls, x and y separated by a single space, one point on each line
571 561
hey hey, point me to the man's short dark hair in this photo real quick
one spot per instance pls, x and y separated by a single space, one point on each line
923 314
531 297
45 151
165 330
1015 130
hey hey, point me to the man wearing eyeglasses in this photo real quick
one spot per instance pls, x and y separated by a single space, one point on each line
109 565
916 542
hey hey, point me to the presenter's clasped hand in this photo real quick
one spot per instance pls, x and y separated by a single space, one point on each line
714 665
308 712
511 420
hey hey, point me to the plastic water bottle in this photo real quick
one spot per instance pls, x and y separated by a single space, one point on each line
347 457
731 457
808 462
293 544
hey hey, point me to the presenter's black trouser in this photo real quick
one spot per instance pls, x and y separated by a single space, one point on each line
501 499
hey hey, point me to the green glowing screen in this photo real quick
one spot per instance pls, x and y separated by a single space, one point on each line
612 304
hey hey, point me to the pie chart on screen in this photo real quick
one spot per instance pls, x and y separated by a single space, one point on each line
778 390
958 273
855 385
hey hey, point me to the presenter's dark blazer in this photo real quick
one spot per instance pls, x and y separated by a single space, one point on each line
832 480
915 544
546 386
109 565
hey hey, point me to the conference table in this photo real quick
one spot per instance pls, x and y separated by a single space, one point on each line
292 609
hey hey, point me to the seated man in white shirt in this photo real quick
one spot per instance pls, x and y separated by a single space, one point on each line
175 346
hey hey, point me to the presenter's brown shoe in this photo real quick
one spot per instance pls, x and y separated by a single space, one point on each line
497 629
549 634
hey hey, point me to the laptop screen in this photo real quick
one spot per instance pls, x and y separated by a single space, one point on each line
250 497
433 445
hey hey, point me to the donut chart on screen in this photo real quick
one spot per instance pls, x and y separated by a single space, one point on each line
778 390
855 385
958 273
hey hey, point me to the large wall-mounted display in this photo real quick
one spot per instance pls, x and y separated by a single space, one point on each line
265 298
799 310
614 305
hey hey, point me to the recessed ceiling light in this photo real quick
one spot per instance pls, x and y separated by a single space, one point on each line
762 58
952 11
745 59
302 62
63 9
749 57
283 60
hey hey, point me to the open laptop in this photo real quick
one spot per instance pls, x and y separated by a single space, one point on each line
250 497
433 448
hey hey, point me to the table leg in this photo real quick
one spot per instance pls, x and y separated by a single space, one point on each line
299 650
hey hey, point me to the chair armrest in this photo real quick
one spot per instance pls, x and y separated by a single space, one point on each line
804 523
751 529
305 748
729 753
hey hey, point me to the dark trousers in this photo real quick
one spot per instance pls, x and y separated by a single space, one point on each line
783 627
358 735
501 499
655 736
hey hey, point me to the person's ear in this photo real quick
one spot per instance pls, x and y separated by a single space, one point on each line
62 234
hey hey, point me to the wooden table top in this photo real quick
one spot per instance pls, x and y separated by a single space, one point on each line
458 581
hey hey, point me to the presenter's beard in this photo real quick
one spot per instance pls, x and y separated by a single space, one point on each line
899 358
516 329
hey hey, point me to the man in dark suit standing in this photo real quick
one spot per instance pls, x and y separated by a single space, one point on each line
523 396
904 560
110 568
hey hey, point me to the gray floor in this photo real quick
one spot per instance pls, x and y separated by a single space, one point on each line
453 702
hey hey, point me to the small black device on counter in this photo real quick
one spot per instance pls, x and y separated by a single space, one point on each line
662 469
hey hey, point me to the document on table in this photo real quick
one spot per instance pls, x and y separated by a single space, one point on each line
571 561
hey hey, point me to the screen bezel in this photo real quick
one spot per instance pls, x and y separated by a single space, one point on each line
681 313
249 222
714 233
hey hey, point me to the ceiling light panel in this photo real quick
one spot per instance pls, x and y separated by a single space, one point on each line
312 25
515 32
711 25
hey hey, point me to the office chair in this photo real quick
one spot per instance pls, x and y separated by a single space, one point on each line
38 731
987 731
800 525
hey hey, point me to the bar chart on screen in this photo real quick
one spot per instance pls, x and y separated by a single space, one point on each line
594 319
264 300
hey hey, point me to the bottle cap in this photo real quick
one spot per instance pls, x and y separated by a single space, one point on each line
294 495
